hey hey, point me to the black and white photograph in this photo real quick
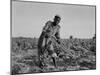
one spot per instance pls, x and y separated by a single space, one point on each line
52 37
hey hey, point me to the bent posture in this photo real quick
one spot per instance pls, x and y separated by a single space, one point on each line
47 39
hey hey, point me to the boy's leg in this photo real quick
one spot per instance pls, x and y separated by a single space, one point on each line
54 61
53 55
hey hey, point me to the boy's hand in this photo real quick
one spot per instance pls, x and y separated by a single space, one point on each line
58 41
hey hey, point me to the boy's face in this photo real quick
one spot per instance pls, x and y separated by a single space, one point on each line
57 20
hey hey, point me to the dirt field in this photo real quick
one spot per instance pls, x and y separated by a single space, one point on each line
81 55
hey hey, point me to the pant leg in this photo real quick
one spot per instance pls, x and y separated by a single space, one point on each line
52 53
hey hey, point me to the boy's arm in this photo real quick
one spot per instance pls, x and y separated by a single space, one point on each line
57 35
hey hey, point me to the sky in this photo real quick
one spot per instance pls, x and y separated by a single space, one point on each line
28 19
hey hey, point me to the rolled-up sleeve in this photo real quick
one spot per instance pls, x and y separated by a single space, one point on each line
57 35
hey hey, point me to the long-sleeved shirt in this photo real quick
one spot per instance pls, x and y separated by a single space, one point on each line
52 30
48 30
